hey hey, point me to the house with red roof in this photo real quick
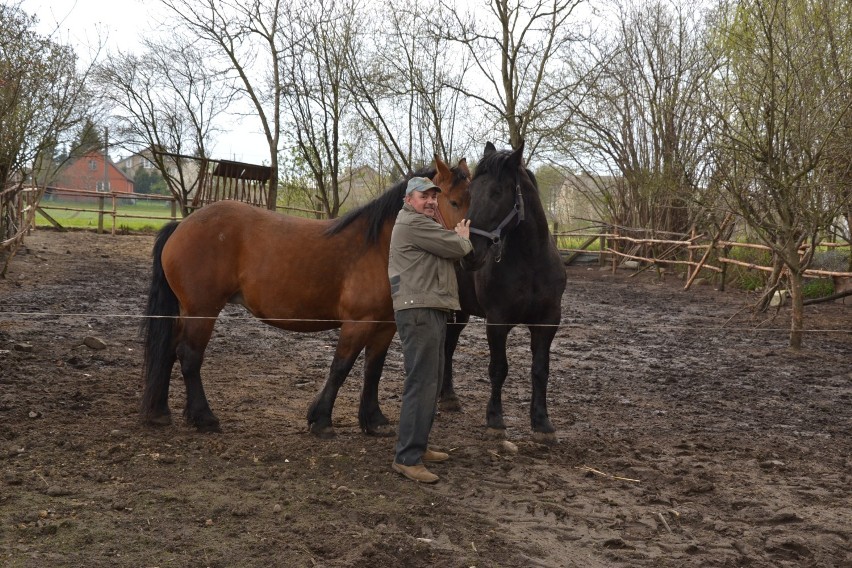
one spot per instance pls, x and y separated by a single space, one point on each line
93 172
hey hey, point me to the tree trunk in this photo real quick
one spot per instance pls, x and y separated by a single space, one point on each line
771 284
797 317
273 182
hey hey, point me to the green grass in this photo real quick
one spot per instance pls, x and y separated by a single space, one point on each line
818 288
158 211
564 242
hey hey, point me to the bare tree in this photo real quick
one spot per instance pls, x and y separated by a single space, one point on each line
837 167
165 100
641 116
248 39
779 114
519 55
43 99
316 97
399 77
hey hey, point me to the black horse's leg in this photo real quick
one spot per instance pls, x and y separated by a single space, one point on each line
349 346
190 352
541 338
448 401
370 416
498 369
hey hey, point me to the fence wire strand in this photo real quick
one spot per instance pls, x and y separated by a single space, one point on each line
477 322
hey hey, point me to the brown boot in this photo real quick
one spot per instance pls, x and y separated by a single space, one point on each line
417 473
434 456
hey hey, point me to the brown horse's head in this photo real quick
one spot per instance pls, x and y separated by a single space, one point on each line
454 199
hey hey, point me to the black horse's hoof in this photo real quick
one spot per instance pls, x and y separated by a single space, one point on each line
547 438
495 433
205 423
380 431
157 420
321 432
450 404
208 425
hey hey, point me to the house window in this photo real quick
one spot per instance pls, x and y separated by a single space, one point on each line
93 165
101 186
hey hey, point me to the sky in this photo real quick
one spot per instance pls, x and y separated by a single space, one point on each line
119 25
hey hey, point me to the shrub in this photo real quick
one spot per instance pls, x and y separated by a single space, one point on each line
818 288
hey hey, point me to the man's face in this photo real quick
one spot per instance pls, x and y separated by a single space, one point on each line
425 202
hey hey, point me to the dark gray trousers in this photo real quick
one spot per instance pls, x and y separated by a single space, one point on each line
421 332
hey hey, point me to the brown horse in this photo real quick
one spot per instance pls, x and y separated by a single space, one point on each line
293 273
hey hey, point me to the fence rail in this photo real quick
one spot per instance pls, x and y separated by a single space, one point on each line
616 247
105 204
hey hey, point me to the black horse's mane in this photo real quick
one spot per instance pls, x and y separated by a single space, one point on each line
386 206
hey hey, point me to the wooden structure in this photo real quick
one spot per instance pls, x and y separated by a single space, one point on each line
216 180
225 179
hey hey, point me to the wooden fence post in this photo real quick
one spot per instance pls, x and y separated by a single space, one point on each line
614 244
100 214
691 253
114 213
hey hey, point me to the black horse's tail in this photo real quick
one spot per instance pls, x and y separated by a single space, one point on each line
158 327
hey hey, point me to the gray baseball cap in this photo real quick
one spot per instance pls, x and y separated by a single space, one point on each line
420 184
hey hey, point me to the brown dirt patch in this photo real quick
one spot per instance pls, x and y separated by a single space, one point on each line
741 448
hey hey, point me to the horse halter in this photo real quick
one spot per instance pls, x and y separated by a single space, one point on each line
517 211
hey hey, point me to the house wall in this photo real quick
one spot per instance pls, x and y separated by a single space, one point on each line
87 173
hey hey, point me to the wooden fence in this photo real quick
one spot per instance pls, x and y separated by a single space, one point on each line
103 204
694 251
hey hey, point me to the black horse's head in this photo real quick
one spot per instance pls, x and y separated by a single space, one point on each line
496 201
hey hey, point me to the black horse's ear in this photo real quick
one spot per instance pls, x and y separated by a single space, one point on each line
489 149
517 157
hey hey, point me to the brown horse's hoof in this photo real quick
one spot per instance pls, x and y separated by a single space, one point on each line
495 433
547 438
451 404
381 431
322 432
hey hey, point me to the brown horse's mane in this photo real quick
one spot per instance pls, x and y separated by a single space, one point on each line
378 211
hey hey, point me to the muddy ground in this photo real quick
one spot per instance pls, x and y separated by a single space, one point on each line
689 436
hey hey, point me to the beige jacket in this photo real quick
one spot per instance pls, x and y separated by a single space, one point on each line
420 266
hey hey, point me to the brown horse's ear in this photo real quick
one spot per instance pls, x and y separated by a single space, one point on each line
443 169
463 167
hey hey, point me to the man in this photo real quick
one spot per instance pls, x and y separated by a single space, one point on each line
425 292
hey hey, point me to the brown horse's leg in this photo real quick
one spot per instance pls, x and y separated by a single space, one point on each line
540 341
448 401
498 369
158 328
349 345
190 351
370 416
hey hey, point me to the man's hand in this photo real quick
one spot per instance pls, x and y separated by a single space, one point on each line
463 228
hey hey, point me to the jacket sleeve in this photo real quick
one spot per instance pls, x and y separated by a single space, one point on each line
431 237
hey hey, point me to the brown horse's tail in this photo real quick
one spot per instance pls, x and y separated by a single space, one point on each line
158 327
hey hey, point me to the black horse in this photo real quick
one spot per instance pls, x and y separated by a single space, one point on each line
513 276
